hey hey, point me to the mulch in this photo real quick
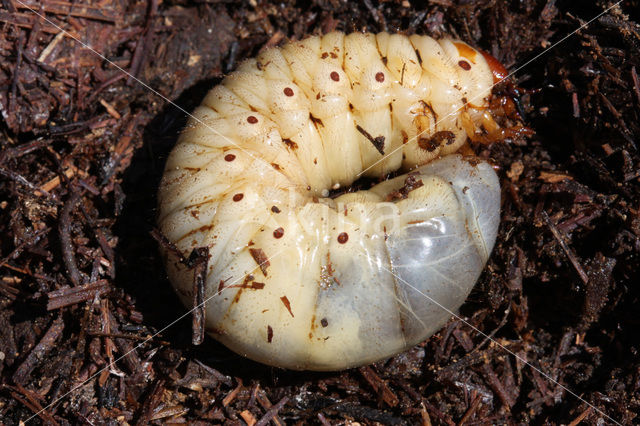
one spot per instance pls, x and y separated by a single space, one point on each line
88 319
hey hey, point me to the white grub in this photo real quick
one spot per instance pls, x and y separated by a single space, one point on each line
360 277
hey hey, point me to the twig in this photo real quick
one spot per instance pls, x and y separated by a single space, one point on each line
379 386
150 403
23 181
560 238
199 260
377 16
65 239
581 417
323 420
24 20
47 50
139 53
626 133
215 373
126 336
27 242
157 235
472 409
64 8
16 73
266 404
110 109
23 149
232 395
377 142
248 417
272 412
497 386
31 403
39 351
102 241
636 82
73 295
55 181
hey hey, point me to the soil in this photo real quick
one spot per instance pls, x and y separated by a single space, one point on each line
91 331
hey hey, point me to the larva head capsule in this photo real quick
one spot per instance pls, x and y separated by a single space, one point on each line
302 281
497 69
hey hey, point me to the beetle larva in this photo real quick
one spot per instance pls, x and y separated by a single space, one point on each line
300 280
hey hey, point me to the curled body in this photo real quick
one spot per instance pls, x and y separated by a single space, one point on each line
297 279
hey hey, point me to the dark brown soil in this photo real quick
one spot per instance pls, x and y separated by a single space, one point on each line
82 286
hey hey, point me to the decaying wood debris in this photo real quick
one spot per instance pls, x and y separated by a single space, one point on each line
85 306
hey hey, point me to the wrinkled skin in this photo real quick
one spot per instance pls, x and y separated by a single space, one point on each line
302 281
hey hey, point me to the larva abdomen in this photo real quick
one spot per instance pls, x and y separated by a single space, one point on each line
305 282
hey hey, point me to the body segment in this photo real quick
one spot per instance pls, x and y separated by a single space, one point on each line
300 280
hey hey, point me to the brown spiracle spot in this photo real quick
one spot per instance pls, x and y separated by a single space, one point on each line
380 77
334 76
269 334
430 144
464 65
275 209
343 237
229 157
278 233
288 91
238 197
252 119
324 322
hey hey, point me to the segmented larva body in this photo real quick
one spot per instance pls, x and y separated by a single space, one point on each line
303 281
